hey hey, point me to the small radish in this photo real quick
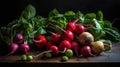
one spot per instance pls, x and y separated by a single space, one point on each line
86 51
64 45
75 47
18 38
24 48
55 38
49 44
79 28
13 48
71 25
40 41
53 49
67 34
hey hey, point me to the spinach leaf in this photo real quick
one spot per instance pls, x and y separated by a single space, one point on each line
29 12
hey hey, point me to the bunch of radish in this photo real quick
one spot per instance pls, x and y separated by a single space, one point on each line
75 39
19 45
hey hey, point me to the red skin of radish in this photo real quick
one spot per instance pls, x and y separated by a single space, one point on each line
56 38
86 51
75 47
13 48
80 28
54 49
68 35
65 44
24 48
49 44
40 41
71 25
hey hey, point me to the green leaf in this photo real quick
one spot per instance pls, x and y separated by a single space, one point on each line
90 15
110 32
29 12
53 12
69 13
100 15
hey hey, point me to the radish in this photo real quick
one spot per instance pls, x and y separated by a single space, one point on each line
71 25
67 34
79 28
53 49
55 38
97 47
48 45
64 45
85 38
24 48
75 47
86 51
13 48
40 41
18 38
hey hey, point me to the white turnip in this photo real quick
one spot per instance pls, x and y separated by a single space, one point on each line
97 47
86 38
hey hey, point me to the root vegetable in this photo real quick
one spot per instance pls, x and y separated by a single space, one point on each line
86 51
40 41
97 47
64 45
79 28
13 48
55 38
53 49
18 38
75 47
86 38
24 48
71 25
67 34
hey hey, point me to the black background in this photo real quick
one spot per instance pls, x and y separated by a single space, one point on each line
11 9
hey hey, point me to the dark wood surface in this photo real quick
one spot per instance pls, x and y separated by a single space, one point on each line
110 56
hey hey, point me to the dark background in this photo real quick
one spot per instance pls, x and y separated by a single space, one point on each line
11 9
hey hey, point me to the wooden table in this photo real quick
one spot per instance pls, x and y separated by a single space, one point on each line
112 56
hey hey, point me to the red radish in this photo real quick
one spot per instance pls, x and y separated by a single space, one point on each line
80 29
67 34
75 47
71 25
53 49
49 44
24 48
13 48
86 51
85 38
55 38
18 38
40 41
64 45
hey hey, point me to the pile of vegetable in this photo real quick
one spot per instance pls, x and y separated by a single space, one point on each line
60 34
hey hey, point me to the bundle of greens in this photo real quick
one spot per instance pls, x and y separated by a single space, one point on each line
29 24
